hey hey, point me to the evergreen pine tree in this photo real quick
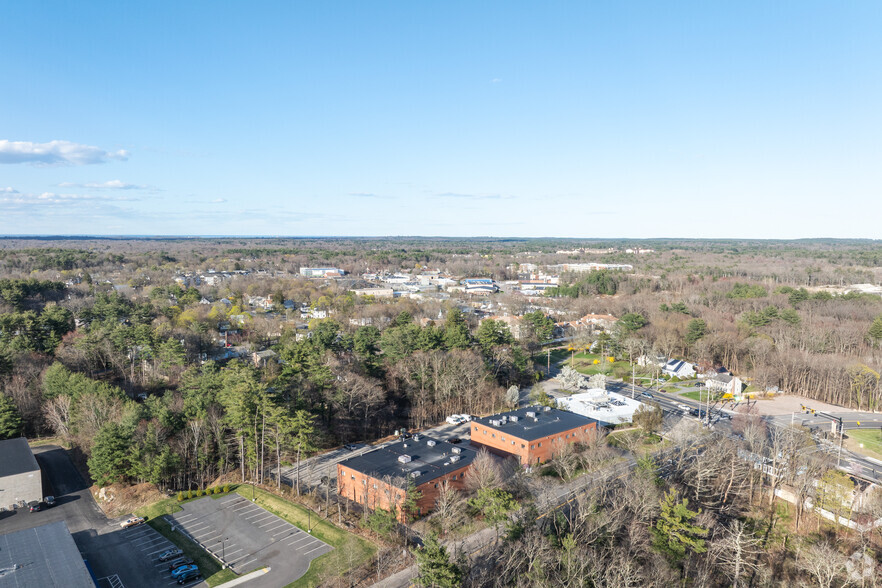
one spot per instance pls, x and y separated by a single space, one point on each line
10 419
435 568
674 532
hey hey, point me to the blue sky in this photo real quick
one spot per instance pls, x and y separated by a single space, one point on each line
570 119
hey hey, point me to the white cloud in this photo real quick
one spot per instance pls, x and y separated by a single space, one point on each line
219 200
55 153
495 80
8 190
109 185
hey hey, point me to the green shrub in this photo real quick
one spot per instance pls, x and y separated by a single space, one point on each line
189 494
180 496
198 492
226 488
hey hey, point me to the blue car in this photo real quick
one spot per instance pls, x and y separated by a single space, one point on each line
185 569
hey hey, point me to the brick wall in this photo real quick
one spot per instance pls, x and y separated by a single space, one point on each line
529 452
375 493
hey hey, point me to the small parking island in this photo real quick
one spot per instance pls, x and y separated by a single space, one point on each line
246 537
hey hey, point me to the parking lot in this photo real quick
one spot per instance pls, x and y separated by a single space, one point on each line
247 537
145 544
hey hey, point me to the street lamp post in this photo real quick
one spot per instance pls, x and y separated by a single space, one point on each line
223 543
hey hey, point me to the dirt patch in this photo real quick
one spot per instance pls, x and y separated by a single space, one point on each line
786 404
118 500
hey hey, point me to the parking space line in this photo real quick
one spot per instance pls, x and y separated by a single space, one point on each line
259 516
244 563
295 541
315 549
276 526
184 516
199 525
241 505
282 532
160 550
271 523
141 542
232 552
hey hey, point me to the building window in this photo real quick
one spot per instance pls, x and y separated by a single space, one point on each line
538 445
532 447
375 486
514 443
493 435
501 438
485 431
353 476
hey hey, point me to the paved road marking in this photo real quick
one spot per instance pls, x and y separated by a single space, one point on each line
274 524
311 550
114 581
244 563
295 541
282 532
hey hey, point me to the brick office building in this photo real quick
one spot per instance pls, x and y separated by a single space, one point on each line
377 479
532 434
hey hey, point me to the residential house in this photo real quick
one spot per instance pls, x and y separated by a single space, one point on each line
725 383
677 368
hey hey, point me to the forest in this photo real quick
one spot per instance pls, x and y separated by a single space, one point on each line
113 347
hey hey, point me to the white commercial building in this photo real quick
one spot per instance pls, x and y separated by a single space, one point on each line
608 408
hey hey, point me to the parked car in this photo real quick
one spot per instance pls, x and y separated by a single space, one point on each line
49 500
185 569
647 394
454 440
189 576
465 418
454 419
34 506
683 407
131 522
352 446
170 554
181 561
405 436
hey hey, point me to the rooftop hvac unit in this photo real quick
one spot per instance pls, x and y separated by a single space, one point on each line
430 443
456 450
514 418
547 408
530 413
415 474
404 458
454 458
504 419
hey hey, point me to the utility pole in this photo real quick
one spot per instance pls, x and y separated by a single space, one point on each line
841 435
548 369
633 390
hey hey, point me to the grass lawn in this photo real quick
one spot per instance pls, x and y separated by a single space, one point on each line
871 439
356 550
700 395
210 567
635 441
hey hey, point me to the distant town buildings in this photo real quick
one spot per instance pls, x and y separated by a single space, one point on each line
322 272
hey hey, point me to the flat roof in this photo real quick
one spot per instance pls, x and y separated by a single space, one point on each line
44 556
16 457
430 461
547 421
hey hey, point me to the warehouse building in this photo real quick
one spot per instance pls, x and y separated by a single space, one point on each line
378 478
20 480
532 434
45 556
